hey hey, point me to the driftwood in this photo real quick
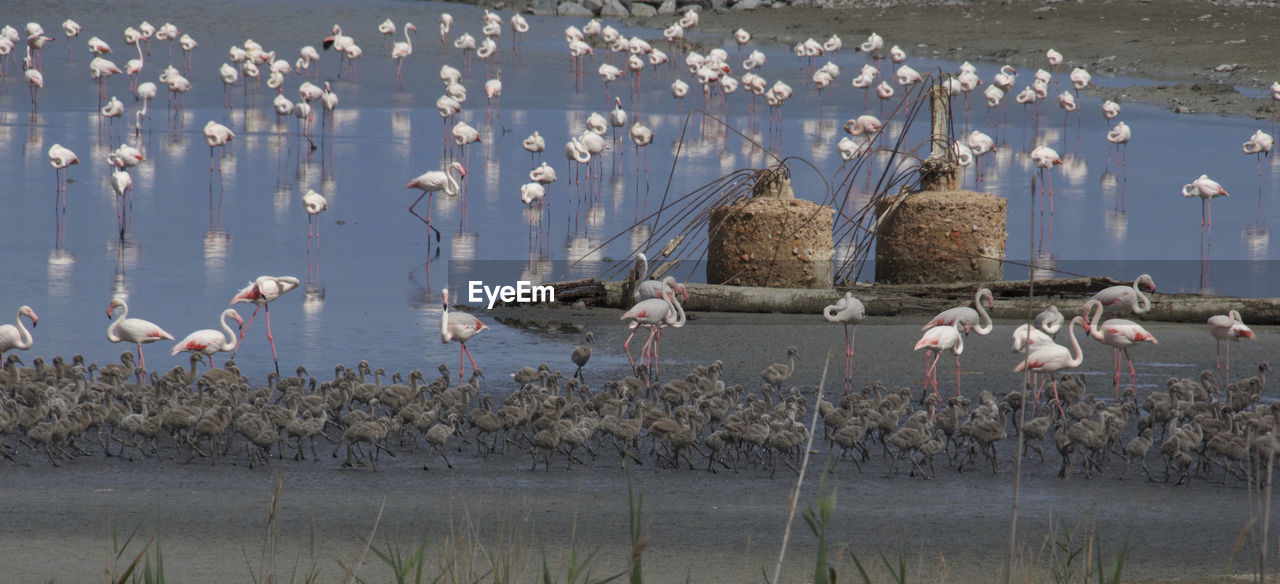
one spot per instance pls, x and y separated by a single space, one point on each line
1011 299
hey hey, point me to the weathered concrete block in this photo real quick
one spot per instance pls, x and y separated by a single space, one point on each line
574 9
776 242
940 236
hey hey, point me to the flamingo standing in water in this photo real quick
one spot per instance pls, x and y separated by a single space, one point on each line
1259 145
534 144
431 182
934 342
132 330
260 292
1207 189
459 327
400 50
216 136
210 342
1117 333
1120 134
519 26
314 203
17 336
847 311
1228 327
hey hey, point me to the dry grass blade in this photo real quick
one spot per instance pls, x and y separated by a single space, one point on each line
804 464
352 575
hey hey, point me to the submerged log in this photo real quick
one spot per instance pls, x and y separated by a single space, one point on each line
1011 299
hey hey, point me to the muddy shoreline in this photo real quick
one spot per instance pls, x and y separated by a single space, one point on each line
1197 52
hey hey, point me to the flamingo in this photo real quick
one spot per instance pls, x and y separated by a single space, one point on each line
446 21
1225 327
400 50
113 109
654 313
520 26
98 46
641 136
493 92
35 80
1110 110
60 158
210 342
650 288
436 180
1259 145
260 292
935 341
121 183
459 327
1045 158
1117 299
17 336
387 28
846 311
216 136
72 29
965 317
1049 357
679 89
1207 189
187 44
132 330
146 92
1119 134
534 144
314 203
1117 333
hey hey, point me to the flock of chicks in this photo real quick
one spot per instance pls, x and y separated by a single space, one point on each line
65 411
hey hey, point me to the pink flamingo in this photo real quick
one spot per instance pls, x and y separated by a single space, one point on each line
1117 333
1050 357
967 318
654 313
210 342
459 327
433 181
1207 189
846 311
17 336
935 341
132 330
1117 299
400 50
1228 327
260 292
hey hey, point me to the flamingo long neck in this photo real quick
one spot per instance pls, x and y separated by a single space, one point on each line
230 345
642 262
451 185
24 336
444 321
982 314
1140 304
1075 345
959 348
408 40
679 314
1095 321
111 330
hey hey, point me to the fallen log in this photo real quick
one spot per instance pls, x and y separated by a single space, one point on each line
1012 299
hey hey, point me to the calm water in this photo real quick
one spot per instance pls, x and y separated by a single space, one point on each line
372 290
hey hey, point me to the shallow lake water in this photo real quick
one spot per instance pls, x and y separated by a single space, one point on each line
371 286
